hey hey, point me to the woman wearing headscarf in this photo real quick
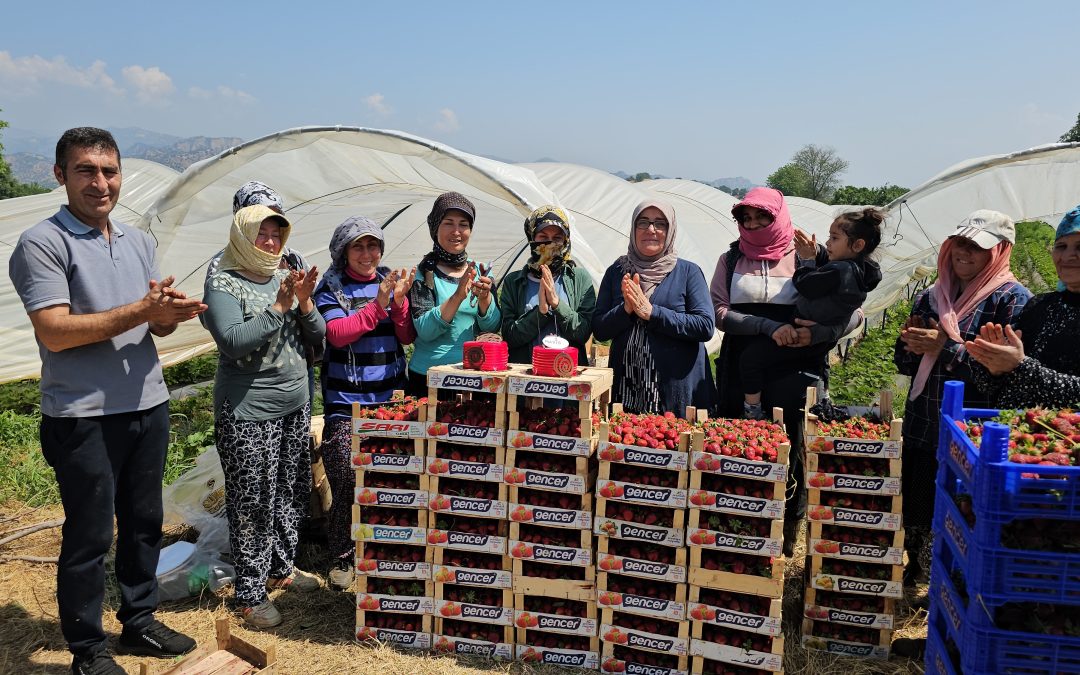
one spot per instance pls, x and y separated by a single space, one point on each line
261 317
753 294
551 295
366 309
1037 364
451 300
974 287
654 307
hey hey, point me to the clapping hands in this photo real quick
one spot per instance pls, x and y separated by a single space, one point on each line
549 295
805 246
998 347
634 300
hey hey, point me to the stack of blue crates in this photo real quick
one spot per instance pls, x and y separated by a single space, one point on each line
973 574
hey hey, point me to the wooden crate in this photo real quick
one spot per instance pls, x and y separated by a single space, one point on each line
403 429
698 663
466 541
678 515
771 586
501 614
607 655
889 484
519 570
389 534
226 654
452 468
507 631
365 584
890 519
890 552
579 482
588 385
890 588
464 506
410 462
608 561
887 448
678 645
589 391
816 607
878 649
364 477
571 589
584 537
424 621
681 477
772 505
642 605
391 569
771 545
585 624
768 623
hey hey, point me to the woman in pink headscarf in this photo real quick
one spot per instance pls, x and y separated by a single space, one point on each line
974 287
753 295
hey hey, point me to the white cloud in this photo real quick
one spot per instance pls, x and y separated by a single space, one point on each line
151 84
222 92
448 121
377 103
24 75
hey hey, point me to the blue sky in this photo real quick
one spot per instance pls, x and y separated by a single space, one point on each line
703 90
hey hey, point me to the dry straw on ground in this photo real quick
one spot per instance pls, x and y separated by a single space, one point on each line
316 636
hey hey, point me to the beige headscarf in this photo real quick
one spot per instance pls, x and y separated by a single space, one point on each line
241 253
653 269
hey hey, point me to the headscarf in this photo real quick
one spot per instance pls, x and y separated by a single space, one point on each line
446 202
772 241
546 252
1070 224
253 192
652 269
241 252
345 234
949 311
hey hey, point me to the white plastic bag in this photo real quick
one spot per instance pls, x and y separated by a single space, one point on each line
197 499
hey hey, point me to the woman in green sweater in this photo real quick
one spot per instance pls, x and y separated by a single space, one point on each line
551 294
451 300
262 318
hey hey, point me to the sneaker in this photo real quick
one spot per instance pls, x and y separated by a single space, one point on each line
98 663
262 616
752 411
342 576
298 580
156 639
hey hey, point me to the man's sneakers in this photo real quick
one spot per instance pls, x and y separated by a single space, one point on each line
298 580
98 663
156 639
264 615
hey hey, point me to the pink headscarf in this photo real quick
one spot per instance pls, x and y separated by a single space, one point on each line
987 281
773 241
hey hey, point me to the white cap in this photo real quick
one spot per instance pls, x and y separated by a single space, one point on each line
987 228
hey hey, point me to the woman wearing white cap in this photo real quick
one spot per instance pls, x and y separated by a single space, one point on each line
974 287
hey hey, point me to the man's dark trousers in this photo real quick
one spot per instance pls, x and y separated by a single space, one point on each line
106 465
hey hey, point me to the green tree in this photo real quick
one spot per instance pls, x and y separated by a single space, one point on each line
789 179
1072 135
638 177
9 185
822 167
878 196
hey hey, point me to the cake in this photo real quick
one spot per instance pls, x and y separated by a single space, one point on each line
487 352
555 358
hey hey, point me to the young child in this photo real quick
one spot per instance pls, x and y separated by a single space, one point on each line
832 282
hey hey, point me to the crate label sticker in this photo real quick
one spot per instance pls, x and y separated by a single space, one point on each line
641 568
395 463
409 499
468 506
948 602
453 468
639 456
456 645
614 665
464 433
393 569
737 655
872 520
877 485
862 552
754 623
399 638
833 615
621 529
555 623
500 616
640 604
399 604
523 386
466 541
642 494
641 640
842 648
957 530
569 658
469 576
958 449
548 443
856 447
545 480
832 582
736 504
389 533
734 466
387 429
557 555
734 542
543 515
462 382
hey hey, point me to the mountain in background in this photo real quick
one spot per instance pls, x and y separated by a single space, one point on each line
185 151
736 183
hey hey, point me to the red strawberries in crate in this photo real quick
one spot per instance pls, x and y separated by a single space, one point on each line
475 413
756 440
650 431
1037 436
402 410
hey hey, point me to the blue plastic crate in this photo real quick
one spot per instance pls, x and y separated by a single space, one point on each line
1003 489
937 658
985 648
995 572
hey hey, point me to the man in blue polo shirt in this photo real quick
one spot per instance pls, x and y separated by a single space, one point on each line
94 296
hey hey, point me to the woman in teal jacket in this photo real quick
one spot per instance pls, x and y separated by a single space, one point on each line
451 300
551 295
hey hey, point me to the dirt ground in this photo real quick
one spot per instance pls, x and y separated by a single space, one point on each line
317 634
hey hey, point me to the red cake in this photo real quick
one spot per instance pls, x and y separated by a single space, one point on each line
487 352
555 358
